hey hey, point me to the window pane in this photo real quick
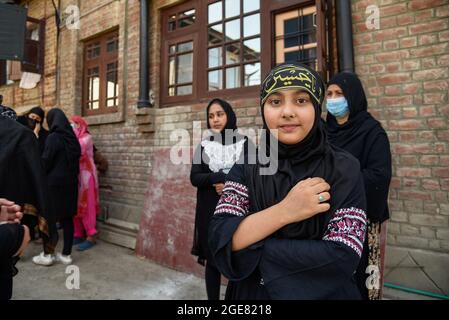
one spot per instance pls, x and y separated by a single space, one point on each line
215 12
186 22
233 53
251 49
252 74
187 46
291 42
112 84
291 26
171 91
95 105
187 13
112 46
172 22
232 8
232 77
180 91
233 30
171 25
111 103
215 57
250 5
215 80
95 82
172 49
171 71
251 25
216 34
291 56
308 56
184 70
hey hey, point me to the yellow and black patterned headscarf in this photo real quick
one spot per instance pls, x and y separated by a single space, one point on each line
293 76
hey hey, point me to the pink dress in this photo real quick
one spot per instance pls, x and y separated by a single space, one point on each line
88 195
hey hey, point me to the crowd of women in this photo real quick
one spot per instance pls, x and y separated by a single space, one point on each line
48 182
311 229
308 231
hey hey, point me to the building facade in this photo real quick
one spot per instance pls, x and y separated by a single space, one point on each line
200 49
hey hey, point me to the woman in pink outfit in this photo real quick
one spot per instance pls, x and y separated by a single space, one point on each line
88 195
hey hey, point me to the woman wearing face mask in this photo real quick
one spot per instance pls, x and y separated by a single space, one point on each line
61 161
352 128
88 196
213 159
297 233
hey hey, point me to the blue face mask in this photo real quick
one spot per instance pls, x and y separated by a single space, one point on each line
337 107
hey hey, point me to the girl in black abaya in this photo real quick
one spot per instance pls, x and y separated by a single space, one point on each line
61 162
351 127
296 233
213 159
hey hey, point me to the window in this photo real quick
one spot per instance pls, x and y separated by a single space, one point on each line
34 50
233 47
100 81
296 36
214 47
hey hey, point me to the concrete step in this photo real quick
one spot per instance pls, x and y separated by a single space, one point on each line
118 232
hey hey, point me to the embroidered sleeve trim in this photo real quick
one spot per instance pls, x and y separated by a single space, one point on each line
234 200
348 226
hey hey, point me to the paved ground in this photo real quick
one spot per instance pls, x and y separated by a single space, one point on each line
110 272
106 272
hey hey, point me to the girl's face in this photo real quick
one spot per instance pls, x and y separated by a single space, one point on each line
289 115
334 91
217 118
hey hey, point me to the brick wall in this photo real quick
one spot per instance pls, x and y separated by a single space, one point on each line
405 69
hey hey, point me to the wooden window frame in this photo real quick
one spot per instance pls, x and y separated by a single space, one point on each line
101 62
199 34
34 50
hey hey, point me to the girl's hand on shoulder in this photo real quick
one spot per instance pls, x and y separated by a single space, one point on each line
306 199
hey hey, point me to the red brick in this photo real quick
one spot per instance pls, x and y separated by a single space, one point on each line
443 60
393 90
405 19
437 123
441 172
402 149
407 136
432 26
436 85
390 34
394 79
408 42
408 124
429 160
393 56
444 160
431 74
408 161
434 98
424 4
393 9
413 172
411 88
429 51
395 101
429 184
427 111
413 195
409 112
411 65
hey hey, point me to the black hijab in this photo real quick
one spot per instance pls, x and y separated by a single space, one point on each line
356 136
59 124
360 122
230 130
311 157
